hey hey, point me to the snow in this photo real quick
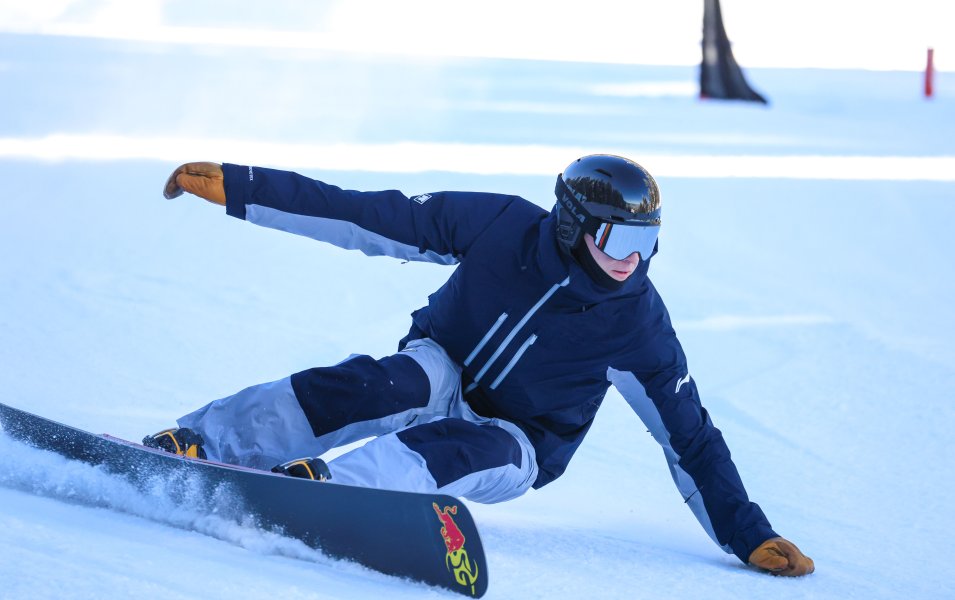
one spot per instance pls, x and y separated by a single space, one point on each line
815 309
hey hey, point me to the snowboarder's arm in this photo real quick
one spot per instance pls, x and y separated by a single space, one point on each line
705 475
697 456
655 381
436 227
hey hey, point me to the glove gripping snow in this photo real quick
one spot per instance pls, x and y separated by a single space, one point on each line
781 557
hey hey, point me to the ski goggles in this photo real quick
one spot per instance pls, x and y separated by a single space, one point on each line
618 241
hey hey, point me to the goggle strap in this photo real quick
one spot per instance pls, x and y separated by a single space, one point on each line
577 213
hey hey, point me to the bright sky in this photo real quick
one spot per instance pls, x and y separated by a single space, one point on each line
809 33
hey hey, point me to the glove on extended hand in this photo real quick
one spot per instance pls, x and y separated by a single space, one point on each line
204 179
781 557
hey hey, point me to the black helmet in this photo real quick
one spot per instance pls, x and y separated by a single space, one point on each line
613 199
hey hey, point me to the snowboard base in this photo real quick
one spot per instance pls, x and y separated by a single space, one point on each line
429 538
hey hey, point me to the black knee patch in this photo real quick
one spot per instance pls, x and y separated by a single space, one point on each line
455 448
360 389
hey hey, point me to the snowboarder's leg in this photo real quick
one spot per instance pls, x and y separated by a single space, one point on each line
311 412
485 461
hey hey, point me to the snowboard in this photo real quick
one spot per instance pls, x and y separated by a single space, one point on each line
429 538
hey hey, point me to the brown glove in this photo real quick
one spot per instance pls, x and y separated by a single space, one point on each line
204 179
781 557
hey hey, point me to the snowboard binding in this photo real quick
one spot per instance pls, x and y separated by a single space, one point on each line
305 468
182 441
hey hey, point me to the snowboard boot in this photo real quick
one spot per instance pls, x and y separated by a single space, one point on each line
182 441
305 468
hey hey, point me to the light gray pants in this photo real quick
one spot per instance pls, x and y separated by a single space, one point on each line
426 438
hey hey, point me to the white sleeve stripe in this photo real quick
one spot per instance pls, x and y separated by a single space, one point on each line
343 234
635 395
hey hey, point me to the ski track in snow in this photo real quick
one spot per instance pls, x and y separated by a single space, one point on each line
173 502
165 501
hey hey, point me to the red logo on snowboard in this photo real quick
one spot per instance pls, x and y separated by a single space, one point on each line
464 570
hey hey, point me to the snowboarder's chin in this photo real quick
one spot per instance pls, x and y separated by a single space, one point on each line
621 275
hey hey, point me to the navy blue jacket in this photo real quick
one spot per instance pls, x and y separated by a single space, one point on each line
539 342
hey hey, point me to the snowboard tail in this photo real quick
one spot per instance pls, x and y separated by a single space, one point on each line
429 538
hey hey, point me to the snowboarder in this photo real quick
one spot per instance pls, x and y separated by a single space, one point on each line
501 374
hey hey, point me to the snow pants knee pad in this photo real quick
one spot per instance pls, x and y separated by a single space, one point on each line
480 460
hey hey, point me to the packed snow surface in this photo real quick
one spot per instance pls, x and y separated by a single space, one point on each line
805 259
